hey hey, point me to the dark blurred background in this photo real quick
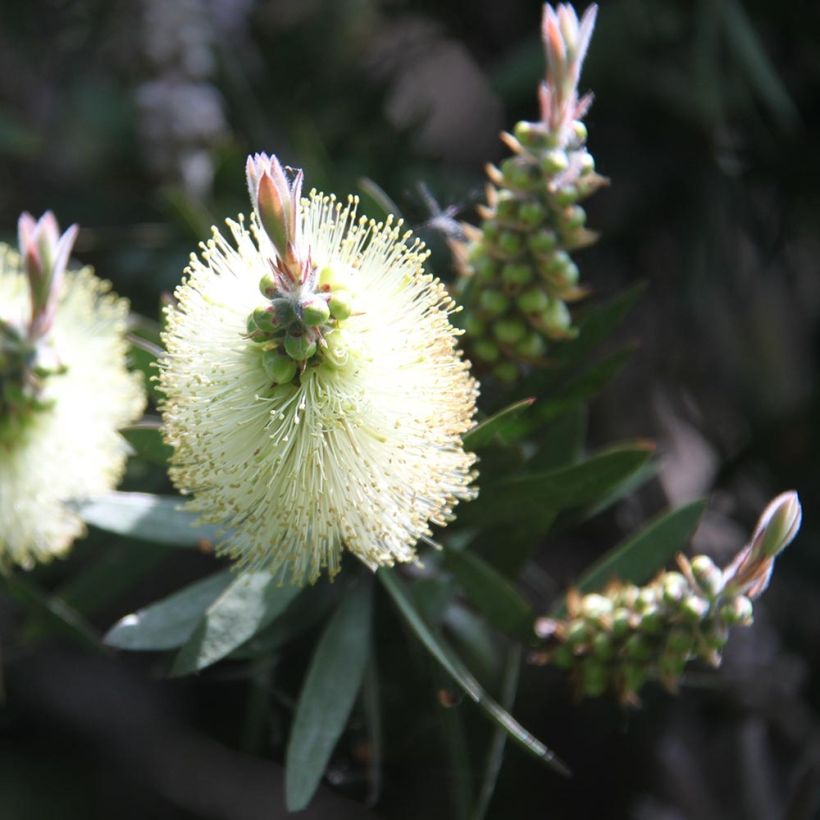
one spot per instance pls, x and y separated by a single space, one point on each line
134 119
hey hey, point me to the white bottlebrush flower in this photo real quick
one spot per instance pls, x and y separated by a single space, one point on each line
314 394
64 393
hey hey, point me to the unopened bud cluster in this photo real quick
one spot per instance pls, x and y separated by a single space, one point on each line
519 275
618 640
27 357
627 635
301 327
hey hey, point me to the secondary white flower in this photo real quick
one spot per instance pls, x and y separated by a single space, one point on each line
64 393
314 394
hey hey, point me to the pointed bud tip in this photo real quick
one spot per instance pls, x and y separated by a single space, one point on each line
778 525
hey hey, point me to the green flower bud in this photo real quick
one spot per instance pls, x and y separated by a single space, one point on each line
264 319
473 325
534 300
652 620
671 667
577 633
510 243
490 230
532 214
337 351
638 647
516 273
674 587
693 609
595 607
554 162
556 319
778 525
493 302
621 622
543 243
680 643
530 135
627 596
579 132
506 208
573 218
299 346
509 331
484 268
562 657
708 576
716 637
486 350
279 369
505 372
566 195
267 286
594 679
532 346
739 611
340 305
633 677
587 163
602 646
315 311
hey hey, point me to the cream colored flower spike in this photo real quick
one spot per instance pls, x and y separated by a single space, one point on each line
64 393
314 394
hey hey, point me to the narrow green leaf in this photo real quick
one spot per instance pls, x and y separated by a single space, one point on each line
463 677
168 623
534 497
561 443
644 554
495 754
247 605
155 518
493 429
327 697
148 444
756 65
496 598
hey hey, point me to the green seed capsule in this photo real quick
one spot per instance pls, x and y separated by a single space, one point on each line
315 311
493 302
509 331
299 347
340 305
279 369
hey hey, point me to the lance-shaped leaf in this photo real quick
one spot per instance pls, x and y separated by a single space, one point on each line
155 518
327 697
462 676
247 605
168 623
497 427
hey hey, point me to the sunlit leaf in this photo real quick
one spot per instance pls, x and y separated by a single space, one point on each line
246 606
168 623
155 518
